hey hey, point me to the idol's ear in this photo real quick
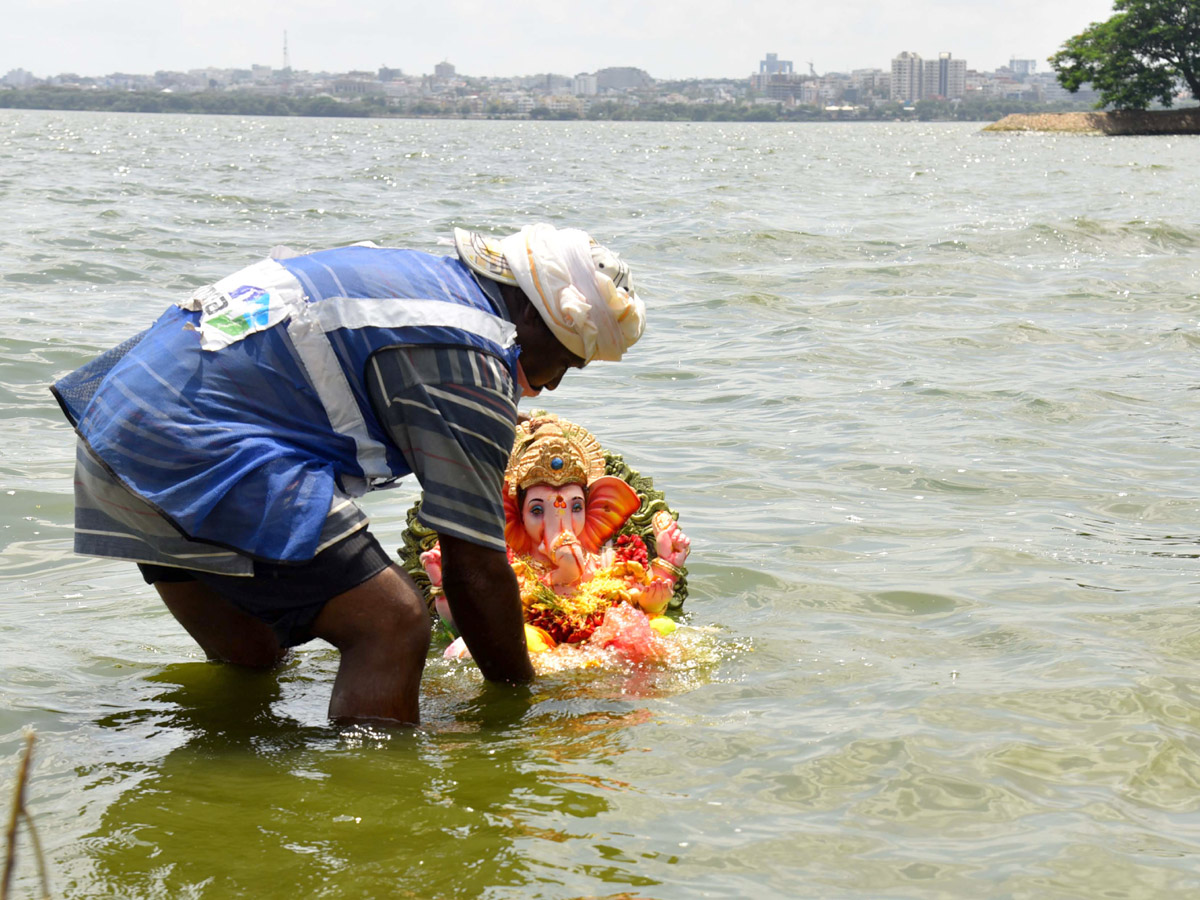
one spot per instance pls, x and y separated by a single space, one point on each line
515 534
610 502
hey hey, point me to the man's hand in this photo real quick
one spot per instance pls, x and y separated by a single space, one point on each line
486 604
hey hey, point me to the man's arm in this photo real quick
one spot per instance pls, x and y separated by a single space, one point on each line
486 605
451 413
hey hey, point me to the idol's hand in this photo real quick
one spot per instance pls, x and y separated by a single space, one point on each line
654 597
432 561
671 544
569 558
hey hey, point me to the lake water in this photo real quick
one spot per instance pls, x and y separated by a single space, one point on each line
926 400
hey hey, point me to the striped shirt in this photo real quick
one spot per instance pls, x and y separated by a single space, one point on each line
112 521
451 412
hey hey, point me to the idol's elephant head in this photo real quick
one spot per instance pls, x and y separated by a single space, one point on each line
560 525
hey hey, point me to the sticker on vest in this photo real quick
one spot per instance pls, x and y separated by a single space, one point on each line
250 300
228 316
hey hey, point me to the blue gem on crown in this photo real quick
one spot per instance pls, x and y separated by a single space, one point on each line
556 463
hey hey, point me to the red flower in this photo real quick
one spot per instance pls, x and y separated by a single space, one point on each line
631 548
564 629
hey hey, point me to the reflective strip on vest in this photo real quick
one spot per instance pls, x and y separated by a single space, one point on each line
309 326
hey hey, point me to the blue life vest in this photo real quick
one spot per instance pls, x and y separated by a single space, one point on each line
236 412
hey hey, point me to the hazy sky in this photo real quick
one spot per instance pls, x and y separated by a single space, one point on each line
703 38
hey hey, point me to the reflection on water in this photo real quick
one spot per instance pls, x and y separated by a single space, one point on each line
219 778
453 809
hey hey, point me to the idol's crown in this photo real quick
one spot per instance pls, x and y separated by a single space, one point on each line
550 450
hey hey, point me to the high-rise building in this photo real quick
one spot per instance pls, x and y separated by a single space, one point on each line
915 79
18 78
584 85
773 65
1022 68
944 77
907 77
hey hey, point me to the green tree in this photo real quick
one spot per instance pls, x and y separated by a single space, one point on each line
1137 56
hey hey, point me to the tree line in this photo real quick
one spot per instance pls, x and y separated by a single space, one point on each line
250 104
217 103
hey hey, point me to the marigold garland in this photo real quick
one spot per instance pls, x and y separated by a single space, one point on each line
571 619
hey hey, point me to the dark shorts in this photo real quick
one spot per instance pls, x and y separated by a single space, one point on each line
289 598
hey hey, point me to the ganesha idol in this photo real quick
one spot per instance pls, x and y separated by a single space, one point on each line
585 570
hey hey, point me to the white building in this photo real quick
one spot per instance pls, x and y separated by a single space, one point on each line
1022 68
914 78
584 85
871 83
908 76
19 78
562 103
356 87
402 89
811 93
1050 91
944 77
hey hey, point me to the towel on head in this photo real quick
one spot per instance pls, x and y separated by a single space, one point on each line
582 290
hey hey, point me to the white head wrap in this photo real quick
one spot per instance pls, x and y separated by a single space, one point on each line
582 290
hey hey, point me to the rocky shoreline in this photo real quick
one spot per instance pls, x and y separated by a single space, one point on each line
1123 122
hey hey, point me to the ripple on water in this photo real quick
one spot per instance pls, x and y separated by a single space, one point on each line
937 467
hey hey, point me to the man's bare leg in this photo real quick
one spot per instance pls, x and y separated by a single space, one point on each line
382 629
223 631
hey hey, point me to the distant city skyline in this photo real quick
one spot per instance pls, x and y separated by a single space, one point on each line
712 39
